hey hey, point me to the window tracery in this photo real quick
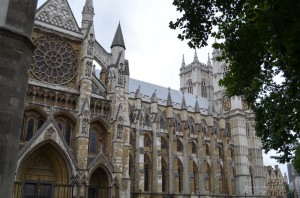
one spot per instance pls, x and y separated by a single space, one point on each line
66 127
32 122
54 61
203 89
190 87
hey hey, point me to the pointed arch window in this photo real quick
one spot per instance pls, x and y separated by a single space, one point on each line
190 87
93 141
68 134
30 128
203 89
162 123
119 131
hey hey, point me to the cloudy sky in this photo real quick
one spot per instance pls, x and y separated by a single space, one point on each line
152 48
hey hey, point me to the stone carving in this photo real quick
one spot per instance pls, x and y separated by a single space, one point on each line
245 105
88 68
226 103
90 47
54 61
57 13
50 133
85 121
80 178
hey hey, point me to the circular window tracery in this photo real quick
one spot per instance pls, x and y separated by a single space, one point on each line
54 61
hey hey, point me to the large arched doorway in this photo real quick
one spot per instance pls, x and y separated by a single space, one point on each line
99 184
44 173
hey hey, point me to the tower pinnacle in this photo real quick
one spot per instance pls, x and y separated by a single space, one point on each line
87 15
195 57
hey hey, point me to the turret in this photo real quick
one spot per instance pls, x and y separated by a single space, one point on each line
183 62
154 101
196 60
87 15
118 45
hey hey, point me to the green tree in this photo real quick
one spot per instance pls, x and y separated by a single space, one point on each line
260 42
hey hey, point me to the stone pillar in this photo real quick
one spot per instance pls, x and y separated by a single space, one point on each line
139 160
157 174
238 131
16 22
171 158
186 169
200 155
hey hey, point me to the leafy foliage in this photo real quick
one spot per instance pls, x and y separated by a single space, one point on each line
261 45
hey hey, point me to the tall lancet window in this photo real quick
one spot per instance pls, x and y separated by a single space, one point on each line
190 87
203 89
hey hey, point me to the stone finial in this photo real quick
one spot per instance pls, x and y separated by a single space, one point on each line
195 57
138 93
183 103
154 97
197 108
208 60
169 100
183 62
87 14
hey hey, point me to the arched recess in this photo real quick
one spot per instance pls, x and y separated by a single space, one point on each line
98 138
165 176
251 172
101 183
45 170
195 180
147 173
131 172
180 176
207 180
66 123
33 119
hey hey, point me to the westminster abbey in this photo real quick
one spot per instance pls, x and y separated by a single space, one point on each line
101 134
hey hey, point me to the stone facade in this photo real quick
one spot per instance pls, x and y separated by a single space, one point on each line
276 182
90 133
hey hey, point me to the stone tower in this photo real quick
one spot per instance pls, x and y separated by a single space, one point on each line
16 22
248 161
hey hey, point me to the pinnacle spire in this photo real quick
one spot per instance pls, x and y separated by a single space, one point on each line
138 93
183 103
118 39
154 97
183 62
169 100
87 14
208 60
196 56
197 108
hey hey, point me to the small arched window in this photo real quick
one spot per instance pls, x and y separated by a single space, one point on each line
162 123
190 87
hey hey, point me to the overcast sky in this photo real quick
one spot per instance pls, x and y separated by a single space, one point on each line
152 48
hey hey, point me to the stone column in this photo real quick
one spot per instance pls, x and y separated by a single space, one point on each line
16 22
171 159
200 155
156 171
139 160
186 169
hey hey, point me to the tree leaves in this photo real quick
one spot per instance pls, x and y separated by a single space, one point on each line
261 42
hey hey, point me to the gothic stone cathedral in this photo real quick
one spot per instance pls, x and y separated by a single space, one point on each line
103 134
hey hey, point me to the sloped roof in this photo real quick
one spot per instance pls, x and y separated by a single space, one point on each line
147 89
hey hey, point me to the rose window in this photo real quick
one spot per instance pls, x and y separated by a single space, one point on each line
54 61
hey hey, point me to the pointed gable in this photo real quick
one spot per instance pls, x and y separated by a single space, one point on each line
57 13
